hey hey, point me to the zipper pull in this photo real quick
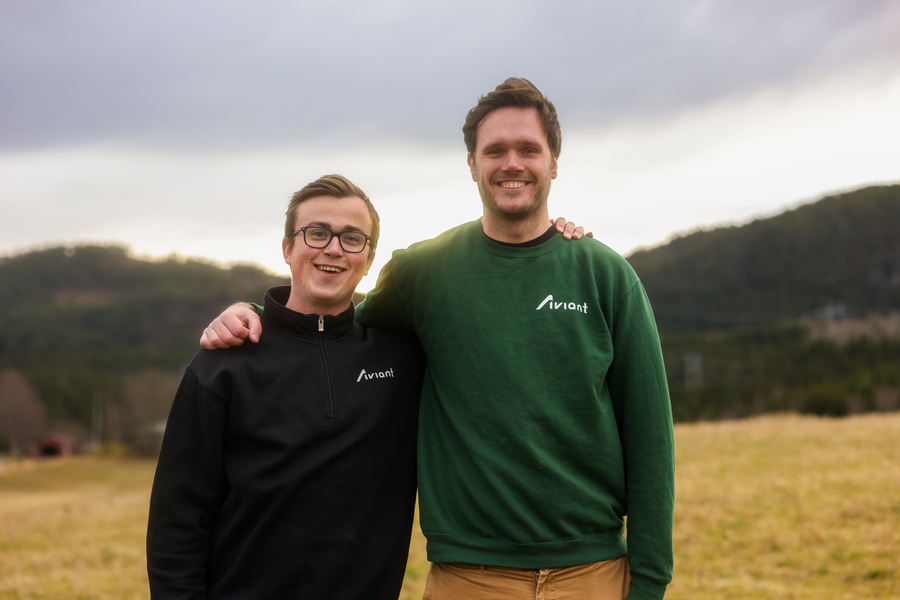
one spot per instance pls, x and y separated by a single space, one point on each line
321 323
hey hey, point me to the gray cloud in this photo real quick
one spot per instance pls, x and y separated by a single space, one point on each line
230 74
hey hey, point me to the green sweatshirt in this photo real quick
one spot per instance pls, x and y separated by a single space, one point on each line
545 415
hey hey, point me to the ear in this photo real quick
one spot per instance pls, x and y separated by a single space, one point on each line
369 262
287 245
471 162
553 168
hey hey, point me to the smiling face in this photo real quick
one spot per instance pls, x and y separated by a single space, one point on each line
513 166
323 279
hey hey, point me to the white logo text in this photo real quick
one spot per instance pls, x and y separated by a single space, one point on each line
548 301
379 375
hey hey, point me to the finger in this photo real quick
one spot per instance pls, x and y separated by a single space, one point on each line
243 321
205 342
212 341
579 233
229 330
255 328
571 228
563 227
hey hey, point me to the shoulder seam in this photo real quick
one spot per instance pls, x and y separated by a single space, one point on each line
206 389
624 298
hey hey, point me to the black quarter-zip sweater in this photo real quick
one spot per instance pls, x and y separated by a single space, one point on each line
288 467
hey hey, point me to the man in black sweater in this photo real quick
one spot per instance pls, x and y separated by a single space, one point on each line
288 466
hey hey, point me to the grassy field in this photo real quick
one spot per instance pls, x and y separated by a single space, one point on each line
788 507
780 507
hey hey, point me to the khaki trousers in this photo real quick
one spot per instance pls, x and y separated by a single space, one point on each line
606 580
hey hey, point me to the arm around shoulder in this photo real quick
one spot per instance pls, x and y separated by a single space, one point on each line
237 323
384 306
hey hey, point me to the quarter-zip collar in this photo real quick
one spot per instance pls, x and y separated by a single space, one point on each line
280 317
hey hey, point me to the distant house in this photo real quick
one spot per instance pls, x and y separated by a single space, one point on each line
52 444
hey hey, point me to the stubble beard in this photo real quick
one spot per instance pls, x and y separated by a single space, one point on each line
520 213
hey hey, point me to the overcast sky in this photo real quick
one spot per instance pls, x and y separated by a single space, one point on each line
184 127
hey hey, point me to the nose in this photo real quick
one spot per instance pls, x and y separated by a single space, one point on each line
334 246
512 162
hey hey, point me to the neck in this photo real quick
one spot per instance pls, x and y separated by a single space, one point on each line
515 232
308 308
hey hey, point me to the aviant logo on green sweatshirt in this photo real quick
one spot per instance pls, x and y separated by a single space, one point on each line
548 301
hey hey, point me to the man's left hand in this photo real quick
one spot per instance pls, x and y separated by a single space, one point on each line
569 230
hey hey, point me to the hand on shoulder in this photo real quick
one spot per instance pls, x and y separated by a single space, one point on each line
571 231
237 323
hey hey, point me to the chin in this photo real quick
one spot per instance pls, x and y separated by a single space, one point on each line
515 213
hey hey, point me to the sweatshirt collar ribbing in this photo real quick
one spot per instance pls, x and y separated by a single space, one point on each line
507 251
280 317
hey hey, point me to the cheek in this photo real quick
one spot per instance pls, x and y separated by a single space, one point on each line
300 260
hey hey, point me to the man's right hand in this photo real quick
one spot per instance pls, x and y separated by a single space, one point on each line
232 327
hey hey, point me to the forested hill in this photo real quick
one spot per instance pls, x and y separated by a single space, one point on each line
98 307
87 322
78 321
841 253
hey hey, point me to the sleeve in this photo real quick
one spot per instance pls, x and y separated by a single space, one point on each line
187 492
640 394
384 307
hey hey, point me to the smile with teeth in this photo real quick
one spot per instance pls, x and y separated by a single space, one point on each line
330 269
512 185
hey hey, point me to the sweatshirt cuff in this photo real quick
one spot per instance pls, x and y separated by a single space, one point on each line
646 589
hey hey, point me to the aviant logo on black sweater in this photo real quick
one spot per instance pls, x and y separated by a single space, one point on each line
378 375
552 305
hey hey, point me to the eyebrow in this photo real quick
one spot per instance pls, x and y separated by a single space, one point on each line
327 226
523 142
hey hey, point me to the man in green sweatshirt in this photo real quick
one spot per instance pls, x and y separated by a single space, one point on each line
545 416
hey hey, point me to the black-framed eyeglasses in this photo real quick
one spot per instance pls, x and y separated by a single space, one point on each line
319 237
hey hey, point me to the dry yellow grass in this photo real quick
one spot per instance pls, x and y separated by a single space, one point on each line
788 507
783 507
416 566
74 529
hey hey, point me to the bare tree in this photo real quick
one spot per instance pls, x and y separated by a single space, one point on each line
22 415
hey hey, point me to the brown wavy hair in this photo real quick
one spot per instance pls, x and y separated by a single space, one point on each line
520 93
